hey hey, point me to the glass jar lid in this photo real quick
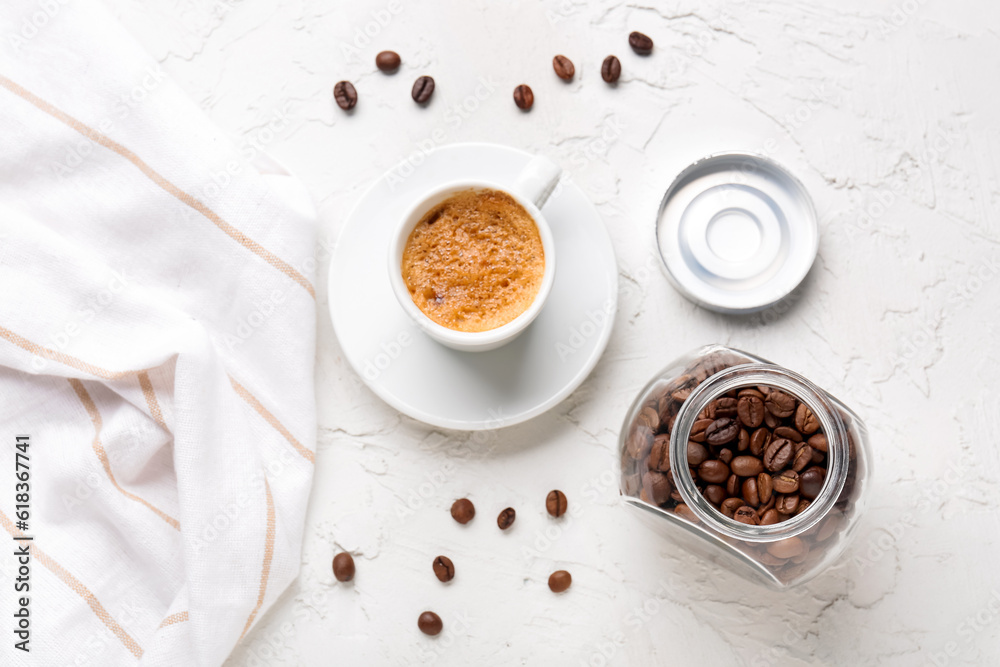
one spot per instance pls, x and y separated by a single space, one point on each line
737 232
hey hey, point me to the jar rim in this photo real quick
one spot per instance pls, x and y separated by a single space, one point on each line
751 375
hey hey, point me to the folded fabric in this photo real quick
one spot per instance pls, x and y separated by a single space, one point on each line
157 341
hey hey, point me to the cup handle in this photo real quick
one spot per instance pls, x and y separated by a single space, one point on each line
537 180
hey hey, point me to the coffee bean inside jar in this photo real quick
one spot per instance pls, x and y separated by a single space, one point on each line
751 455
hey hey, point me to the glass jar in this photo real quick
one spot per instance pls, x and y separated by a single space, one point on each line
686 416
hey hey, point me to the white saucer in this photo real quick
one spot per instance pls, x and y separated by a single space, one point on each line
472 390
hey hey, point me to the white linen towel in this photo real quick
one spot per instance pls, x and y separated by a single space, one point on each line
157 342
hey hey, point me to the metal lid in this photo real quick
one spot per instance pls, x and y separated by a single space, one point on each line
736 232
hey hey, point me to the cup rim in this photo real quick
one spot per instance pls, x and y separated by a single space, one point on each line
468 340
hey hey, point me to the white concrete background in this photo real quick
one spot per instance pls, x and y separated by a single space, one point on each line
887 110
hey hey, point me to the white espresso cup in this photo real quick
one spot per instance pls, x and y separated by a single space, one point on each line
531 190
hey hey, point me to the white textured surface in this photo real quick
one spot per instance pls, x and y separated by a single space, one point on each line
884 109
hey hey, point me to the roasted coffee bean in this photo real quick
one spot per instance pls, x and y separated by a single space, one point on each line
698 430
422 90
639 440
650 418
696 453
430 623
786 482
343 566
715 494
345 95
726 456
780 404
818 456
724 407
788 432
778 454
759 441
659 455
563 67
746 466
524 99
506 518
640 43
805 420
556 503
684 511
751 411
611 70
750 392
803 457
656 484
787 504
769 517
722 431
713 472
559 581
444 569
770 420
750 492
733 485
387 61
743 441
765 485
463 510
803 506
747 515
811 482
730 505
818 442
786 548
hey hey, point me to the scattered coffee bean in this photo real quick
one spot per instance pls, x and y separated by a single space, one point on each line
463 510
444 569
524 99
345 95
640 43
563 67
423 88
430 623
611 70
343 566
387 61
556 502
559 581
506 518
